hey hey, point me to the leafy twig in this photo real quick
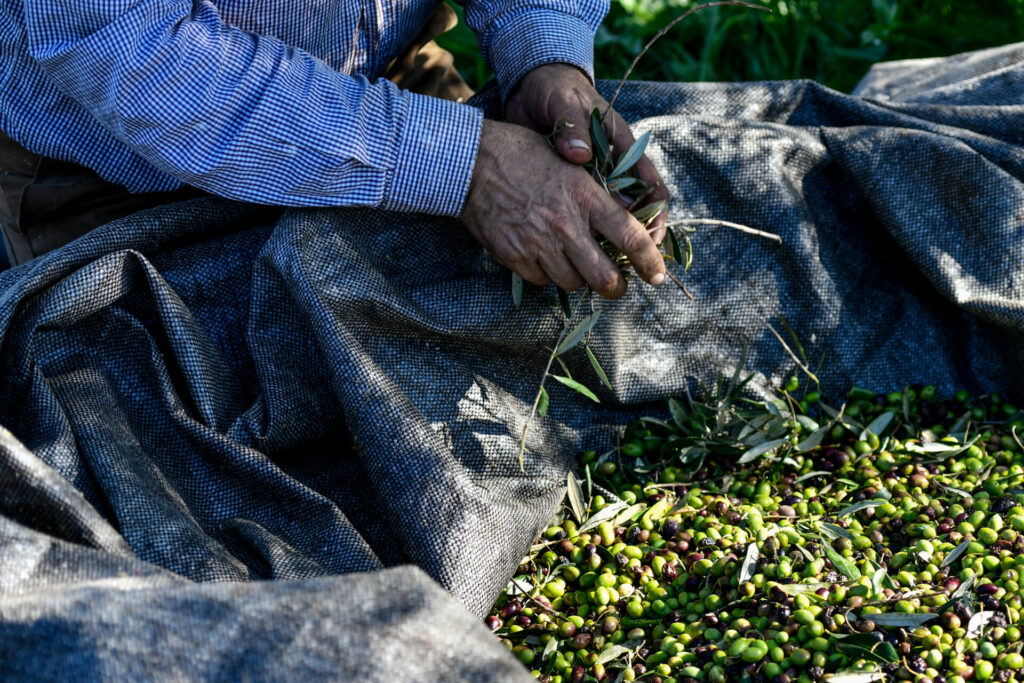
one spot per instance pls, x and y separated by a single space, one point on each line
800 364
636 202
681 285
726 224
536 399
619 179
526 594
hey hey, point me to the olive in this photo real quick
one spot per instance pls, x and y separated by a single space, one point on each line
749 571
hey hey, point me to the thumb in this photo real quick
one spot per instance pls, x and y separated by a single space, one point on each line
572 139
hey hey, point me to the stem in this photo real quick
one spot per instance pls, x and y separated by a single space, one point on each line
536 399
735 226
902 596
800 364
663 31
529 597
645 195
681 285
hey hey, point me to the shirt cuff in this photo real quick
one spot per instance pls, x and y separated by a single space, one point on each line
529 39
436 153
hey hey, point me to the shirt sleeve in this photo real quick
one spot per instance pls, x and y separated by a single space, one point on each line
519 35
246 117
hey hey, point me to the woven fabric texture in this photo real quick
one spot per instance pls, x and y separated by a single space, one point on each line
180 499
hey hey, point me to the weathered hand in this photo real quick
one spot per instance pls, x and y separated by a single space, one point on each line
559 97
539 215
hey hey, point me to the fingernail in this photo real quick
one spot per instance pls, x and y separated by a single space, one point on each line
576 143
658 279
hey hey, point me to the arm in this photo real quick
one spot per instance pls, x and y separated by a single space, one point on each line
247 117
517 36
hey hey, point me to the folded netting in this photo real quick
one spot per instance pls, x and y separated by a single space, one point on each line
181 496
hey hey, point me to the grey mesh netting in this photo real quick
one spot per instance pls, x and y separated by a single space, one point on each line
179 496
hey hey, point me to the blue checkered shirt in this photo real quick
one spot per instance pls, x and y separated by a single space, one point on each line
272 102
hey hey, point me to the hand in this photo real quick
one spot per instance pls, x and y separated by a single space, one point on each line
559 98
539 215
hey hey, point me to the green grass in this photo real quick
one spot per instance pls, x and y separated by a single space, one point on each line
831 41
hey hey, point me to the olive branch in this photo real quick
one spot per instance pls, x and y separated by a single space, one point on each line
616 174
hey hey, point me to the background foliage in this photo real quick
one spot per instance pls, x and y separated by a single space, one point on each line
831 41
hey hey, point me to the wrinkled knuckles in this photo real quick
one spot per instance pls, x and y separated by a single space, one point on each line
583 190
565 227
634 241
531 244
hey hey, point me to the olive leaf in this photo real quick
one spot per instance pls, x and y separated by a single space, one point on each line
858 677
869 646
629 514
877 425
647 420
879 651
574 337
959 428
757 451
753 427
962 590
543 402
749 563
959 492
673 242
551 646
977 624
807 423
798 588
678 412
620 184
575 494
812 441
631 156
657 510
833 531
649 212
610 654
841 417
565 368
810 475
939 447
597 367
944 451
604 514
517 289
842 565
517 588
901 620
876 580
576 386
688 260
857 507
954 554
880 578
